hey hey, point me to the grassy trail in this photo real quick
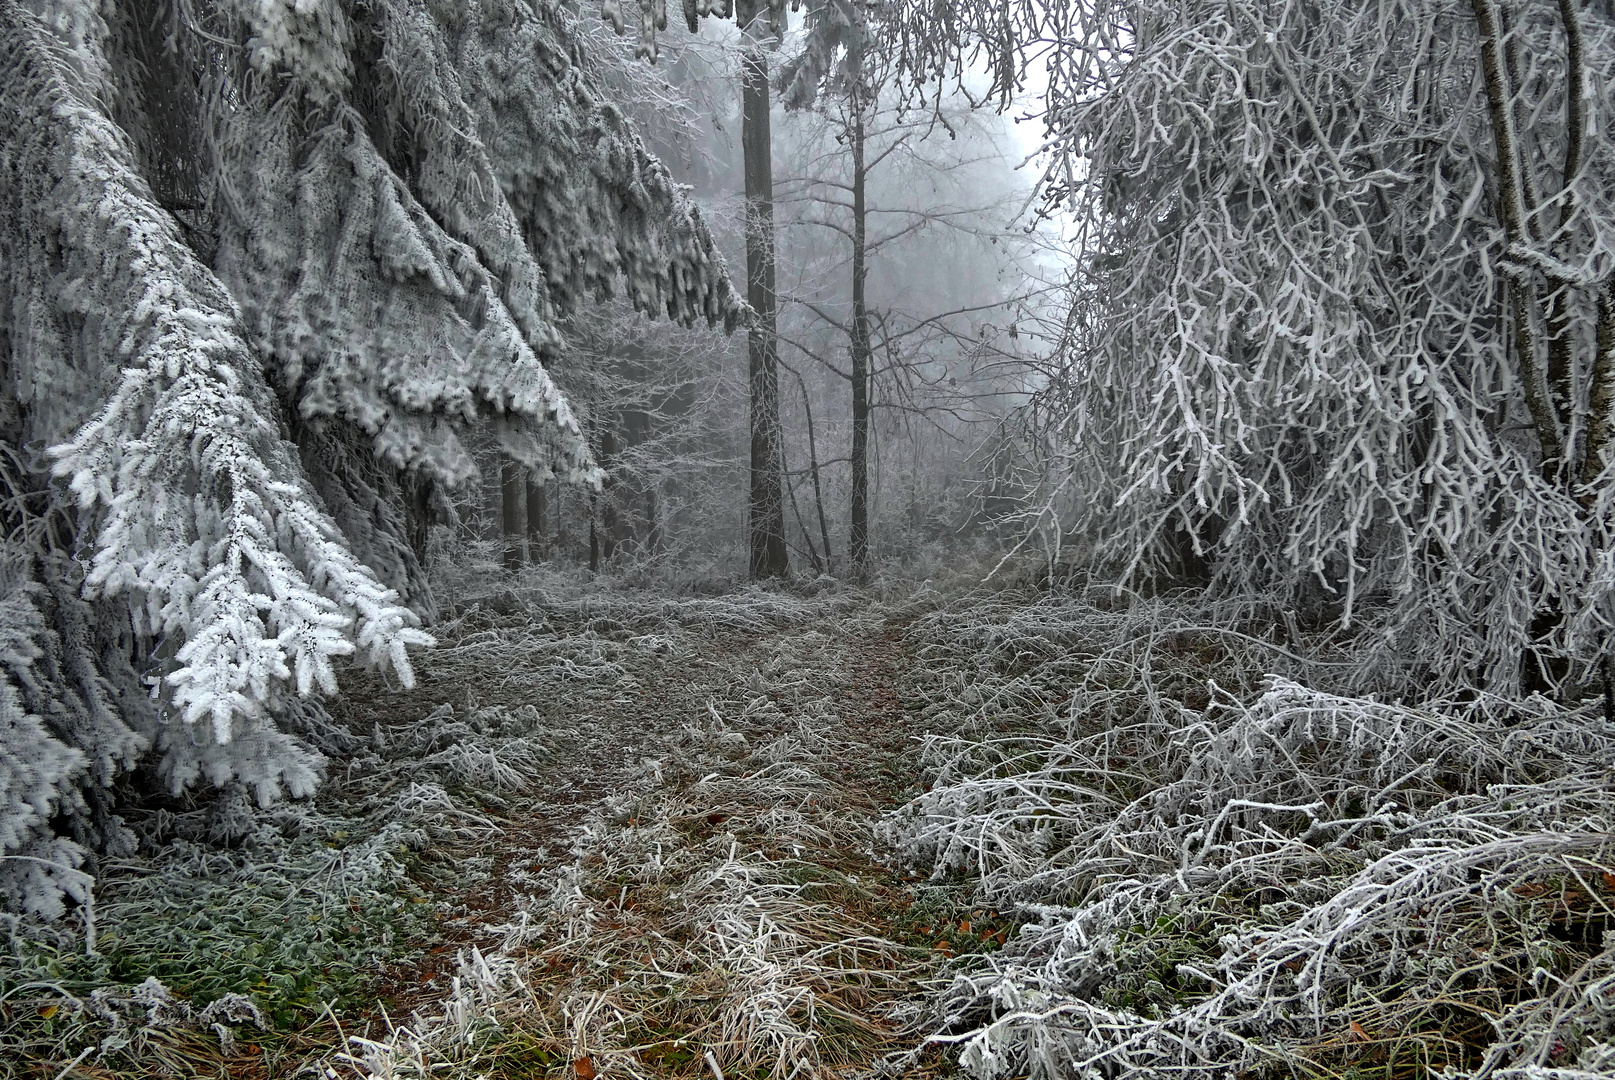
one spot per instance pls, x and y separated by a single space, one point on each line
690 883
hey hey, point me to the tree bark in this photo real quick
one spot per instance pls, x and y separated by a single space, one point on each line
513 512
653 517
858 548
418 513
538 526
594 537
818 490
1602 406
1516 223
766 532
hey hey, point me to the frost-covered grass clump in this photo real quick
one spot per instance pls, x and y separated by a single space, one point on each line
298 914
721 911
1226 872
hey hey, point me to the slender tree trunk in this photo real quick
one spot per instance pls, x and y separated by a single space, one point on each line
859 546
419 511
1602 406
1517 224
653 515
818 491
766 532
611 531
594 537
538 526
513 512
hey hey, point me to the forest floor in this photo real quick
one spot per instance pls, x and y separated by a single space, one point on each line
691 869
609 832
619 829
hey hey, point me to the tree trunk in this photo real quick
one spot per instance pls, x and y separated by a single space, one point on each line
594 538
859 545
653 516
1516 224
418 512
538 526
766 534
513 512
818 490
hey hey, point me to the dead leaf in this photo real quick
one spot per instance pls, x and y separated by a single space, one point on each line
964 927
1357 1030
584 1067
48 1011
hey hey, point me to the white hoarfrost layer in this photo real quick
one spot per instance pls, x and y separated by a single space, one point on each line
1263 878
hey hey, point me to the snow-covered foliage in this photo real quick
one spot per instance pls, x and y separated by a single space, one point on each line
65 732
1344 332
1216 879
259 262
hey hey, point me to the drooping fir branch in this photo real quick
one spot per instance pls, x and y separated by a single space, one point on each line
412 197
195 506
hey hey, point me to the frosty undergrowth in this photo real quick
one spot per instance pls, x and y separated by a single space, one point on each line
1223 872
707 918
524 718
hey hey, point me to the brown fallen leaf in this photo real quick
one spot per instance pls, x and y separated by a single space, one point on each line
1357 1030
584 1067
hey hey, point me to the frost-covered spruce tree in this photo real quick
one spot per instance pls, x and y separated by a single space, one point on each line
1346 337
260 263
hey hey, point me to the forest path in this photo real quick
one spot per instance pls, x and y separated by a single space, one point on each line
691 867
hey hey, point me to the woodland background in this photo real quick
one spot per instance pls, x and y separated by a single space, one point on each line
1040 539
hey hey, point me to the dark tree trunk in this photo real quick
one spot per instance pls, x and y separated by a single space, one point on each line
418 513
610 517
513 512
594 538
766 532
813 470
538 526
858 548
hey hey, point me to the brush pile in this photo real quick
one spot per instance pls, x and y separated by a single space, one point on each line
1223 871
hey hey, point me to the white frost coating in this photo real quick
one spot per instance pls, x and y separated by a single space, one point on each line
198 523
1291 364
1261 881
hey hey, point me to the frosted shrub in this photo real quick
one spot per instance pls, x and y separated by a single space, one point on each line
1285 876
1345 332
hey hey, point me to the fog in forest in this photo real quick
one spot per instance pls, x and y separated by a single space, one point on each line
861 538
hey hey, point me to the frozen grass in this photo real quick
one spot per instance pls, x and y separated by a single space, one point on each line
722 915
298 910
1222 872
646 791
